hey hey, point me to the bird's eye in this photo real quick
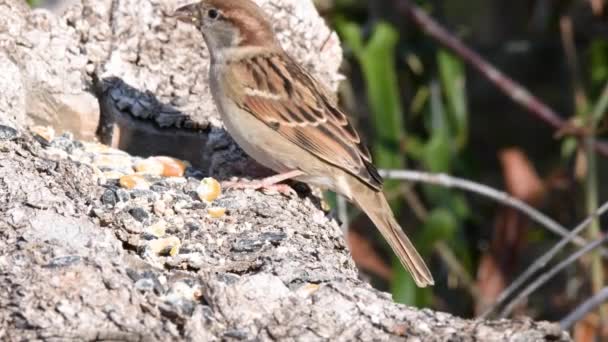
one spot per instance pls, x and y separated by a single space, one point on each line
213 14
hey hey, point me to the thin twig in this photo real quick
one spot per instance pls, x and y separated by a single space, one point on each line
583 309
515 91
542 262
589 181
567 34
413 201
452 262
499 196
548 275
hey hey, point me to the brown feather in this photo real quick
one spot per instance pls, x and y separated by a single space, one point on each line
246 15
314 135
298 107
376 207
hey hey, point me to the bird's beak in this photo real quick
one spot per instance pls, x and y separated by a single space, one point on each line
187 13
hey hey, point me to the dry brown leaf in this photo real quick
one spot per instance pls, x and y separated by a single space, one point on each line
598 7
490 282
521 179
500 260
586 329
365 255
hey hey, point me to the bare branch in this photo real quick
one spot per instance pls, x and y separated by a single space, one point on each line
548 275
455 265
518 93
587 306
499 196
543 260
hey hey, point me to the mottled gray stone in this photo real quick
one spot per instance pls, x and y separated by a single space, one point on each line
74 268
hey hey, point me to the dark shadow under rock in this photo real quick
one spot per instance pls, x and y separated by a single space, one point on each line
139 123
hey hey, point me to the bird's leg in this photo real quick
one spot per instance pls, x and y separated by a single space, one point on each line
268 183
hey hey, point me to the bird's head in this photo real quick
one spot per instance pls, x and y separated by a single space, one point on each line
228 23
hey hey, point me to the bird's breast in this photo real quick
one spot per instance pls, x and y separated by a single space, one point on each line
270 148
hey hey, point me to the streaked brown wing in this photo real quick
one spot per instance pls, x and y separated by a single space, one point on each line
278 92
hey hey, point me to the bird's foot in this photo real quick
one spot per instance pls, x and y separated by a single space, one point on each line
270 184
281 188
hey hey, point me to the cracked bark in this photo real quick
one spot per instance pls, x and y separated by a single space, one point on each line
76 256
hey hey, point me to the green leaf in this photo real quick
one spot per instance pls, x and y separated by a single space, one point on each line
441 224
599 61
415 147
377 60
438 151
437 154
453 80
351 34
460 206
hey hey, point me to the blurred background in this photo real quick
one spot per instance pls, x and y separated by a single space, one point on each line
423 106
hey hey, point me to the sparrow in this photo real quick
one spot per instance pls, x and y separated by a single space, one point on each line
286 119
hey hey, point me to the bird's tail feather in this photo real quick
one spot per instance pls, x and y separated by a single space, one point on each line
376 207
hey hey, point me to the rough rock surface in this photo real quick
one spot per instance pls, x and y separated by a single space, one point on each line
83 259
149 72
52 65
156 70
169 58
12 89
12 96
